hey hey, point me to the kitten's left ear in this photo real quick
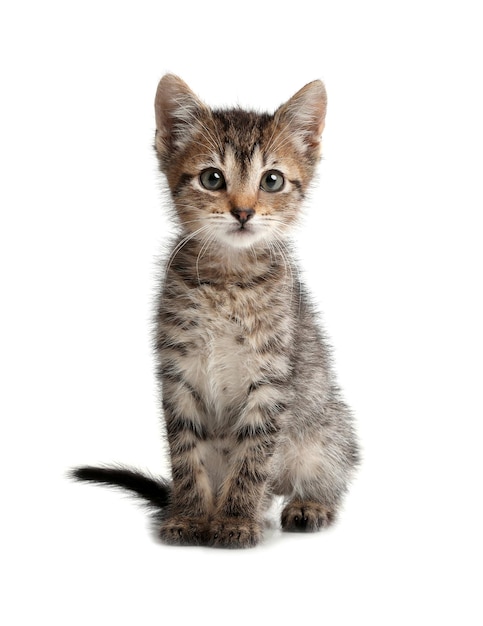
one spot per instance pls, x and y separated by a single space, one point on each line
304 115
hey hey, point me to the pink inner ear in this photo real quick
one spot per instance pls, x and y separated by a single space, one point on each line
177 109
304 113
174 102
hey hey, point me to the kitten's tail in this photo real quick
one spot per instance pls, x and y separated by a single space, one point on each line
155 491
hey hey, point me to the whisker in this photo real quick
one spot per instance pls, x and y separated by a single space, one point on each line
181 244
280 246
206 243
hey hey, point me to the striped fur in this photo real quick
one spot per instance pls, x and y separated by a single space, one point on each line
251 405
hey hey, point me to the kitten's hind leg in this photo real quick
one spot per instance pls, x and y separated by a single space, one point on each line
306 516
313 475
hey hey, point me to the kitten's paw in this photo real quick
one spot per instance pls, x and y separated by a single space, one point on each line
235 532
306 516
180 530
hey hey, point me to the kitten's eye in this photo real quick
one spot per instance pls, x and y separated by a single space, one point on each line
272 181
212 179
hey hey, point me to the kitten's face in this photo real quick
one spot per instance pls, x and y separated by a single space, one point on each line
237 178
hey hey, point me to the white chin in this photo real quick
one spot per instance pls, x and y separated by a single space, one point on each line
242 237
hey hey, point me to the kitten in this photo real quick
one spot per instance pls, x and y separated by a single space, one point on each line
251 406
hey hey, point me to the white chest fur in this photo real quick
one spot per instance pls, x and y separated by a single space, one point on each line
221 366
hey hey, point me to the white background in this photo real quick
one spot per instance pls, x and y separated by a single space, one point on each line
391 246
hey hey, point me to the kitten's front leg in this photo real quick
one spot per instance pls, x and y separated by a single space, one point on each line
186 522
237 522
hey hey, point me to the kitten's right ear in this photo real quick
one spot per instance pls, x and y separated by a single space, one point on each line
177 112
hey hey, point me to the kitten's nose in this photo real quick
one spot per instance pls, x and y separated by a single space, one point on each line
242 215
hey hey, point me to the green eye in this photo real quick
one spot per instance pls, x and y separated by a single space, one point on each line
212 179
272 181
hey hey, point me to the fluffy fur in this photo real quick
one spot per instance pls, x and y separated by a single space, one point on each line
251 405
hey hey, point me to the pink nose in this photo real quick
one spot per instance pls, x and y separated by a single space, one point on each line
242 215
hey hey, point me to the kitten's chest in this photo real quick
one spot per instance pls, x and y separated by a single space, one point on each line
228 333
231 326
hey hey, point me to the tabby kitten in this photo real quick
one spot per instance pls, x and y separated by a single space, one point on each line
251 405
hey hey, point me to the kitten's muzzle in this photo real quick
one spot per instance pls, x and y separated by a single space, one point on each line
242 215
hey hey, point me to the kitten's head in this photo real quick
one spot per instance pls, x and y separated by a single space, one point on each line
237 177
